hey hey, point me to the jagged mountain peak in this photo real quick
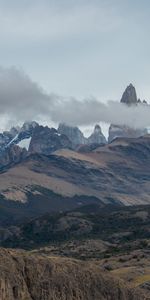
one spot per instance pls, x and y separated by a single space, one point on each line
129 96
28 125
73 133
97 128
77 138
97 136
46 140
17 134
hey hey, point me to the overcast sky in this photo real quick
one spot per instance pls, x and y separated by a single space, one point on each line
79 47
53 51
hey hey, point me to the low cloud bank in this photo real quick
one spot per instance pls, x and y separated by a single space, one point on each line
22 99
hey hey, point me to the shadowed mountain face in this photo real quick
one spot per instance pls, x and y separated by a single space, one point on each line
73 133
11 156
118 173
77 138
46 140
33 138
129 96
96 137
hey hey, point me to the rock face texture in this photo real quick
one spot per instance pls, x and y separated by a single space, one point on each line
73 133
12 155
97 136
129 98
26 131
77 138
35 277
46 140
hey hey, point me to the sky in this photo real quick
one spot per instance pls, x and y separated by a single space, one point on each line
76 48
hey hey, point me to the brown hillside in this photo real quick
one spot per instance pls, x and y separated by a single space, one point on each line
118 172
27 277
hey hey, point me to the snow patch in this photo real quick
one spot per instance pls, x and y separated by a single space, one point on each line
59 134
25 143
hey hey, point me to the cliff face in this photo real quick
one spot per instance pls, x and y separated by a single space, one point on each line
97 136
46 140
129 96
32 277
12 155
73 133
77 138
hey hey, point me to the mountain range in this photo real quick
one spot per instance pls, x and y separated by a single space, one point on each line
39 164
33 136
75 212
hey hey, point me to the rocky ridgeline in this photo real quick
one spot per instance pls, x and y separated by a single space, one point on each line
44 140
77 138
17 143
40 137
16 135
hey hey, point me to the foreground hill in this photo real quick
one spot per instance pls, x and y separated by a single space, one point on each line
37 277
116 240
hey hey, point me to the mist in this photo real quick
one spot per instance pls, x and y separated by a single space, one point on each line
22 99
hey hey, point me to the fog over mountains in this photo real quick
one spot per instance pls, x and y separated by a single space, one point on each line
50 176
22 99
36 138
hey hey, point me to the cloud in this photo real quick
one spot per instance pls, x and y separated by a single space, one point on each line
91 111
22 99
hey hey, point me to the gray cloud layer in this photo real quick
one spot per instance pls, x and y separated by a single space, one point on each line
22 99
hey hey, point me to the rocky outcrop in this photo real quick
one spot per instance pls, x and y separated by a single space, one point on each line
24 276
46 140
12 155
97 136
73 133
